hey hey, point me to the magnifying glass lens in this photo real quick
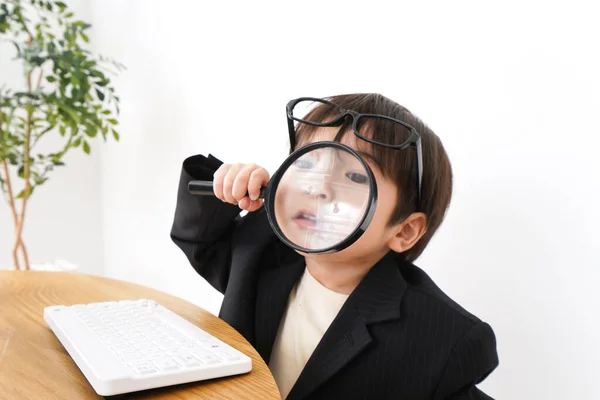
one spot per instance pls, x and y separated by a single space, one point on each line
322 198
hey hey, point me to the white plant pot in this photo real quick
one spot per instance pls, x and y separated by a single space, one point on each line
57 265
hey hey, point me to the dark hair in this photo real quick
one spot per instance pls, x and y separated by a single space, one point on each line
400 166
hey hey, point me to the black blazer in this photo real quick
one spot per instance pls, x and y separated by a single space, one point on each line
398 336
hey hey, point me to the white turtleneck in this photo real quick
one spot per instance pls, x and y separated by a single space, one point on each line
310 310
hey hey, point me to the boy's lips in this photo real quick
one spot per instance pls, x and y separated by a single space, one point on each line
305 219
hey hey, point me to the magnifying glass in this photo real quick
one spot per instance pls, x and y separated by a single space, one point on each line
321 199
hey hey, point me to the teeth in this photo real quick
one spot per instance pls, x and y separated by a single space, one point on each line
308 217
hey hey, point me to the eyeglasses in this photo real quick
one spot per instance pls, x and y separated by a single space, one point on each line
301 110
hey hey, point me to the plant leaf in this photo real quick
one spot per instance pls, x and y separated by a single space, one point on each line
86 147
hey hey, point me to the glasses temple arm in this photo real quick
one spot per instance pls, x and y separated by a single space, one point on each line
419 164
292 133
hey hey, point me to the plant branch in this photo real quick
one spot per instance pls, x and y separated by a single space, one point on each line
26 175
39 82
13 208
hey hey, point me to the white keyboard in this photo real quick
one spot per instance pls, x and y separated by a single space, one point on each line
126 346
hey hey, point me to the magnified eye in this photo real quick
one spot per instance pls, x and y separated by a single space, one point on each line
304 164
357 178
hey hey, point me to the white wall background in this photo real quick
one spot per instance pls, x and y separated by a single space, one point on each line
512 90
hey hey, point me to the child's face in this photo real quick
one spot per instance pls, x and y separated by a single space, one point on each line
297 214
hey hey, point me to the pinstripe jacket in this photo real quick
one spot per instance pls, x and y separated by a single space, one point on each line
398 336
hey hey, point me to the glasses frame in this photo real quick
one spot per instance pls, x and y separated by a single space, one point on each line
414 140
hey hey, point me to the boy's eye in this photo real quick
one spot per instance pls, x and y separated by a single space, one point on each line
357 178
304 164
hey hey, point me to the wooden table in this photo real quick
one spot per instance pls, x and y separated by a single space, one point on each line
34 364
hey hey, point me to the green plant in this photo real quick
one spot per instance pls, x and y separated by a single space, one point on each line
67 93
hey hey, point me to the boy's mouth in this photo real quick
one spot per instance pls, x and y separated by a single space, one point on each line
305 219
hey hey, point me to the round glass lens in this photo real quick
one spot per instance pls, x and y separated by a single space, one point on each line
322 198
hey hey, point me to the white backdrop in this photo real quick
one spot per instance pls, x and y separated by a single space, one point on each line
512 90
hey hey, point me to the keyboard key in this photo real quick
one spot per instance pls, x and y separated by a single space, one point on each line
199 352
126 352
101 330
138 362
142 346
173 349
115 341
206 342
229 356
158 356
152 334
166 364
165 341
152 354
187 360
210 359
132 357
109 336
189 345
145 369
132 337
120 346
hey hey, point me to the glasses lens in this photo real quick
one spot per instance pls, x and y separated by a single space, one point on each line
314 111
322 198
383 130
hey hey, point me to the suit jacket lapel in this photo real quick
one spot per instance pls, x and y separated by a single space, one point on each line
376 299
273 291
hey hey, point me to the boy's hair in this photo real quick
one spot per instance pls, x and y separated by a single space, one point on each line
400 166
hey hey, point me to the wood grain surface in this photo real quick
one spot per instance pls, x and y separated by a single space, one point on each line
34 364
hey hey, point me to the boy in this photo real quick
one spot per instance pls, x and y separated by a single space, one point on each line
360 323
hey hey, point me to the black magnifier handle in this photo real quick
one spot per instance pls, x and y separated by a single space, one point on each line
205 188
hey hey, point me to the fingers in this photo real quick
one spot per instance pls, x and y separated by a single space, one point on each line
234 183
240 184
258 178
218 178
253 204
228 182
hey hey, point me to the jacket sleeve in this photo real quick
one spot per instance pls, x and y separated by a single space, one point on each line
474 357
203 225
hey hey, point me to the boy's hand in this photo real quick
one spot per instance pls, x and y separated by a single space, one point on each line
232 183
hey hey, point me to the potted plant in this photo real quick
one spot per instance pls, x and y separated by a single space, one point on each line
67 93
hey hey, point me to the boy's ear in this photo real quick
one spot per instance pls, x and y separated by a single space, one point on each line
408 232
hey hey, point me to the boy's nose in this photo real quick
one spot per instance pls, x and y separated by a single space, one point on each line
322 192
